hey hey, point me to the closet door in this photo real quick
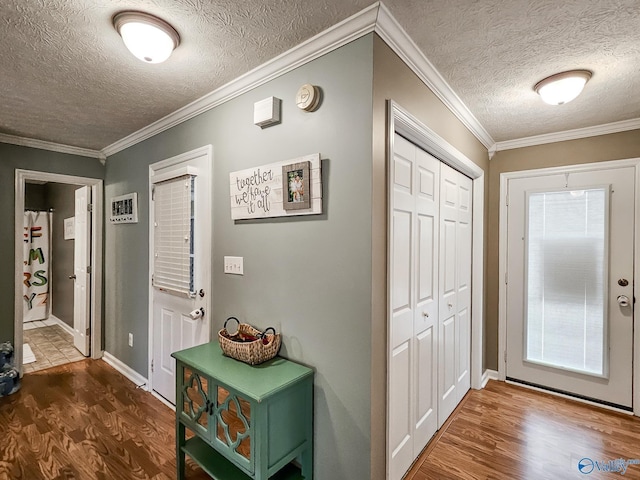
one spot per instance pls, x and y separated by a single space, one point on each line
455 290
412 418
430 299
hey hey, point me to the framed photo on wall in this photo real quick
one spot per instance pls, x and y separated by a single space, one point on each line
296 194
70 228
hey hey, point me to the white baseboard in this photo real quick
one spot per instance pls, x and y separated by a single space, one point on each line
126 370
489 375
62 324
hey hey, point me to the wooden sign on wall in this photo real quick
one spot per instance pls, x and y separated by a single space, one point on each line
260 192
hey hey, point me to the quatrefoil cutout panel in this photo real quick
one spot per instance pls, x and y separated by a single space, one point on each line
195 398
234 422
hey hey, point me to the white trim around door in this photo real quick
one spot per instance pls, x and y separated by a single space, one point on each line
502 295
96 185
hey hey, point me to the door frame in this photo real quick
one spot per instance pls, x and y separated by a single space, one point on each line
402 122
97 199
502 260
184 157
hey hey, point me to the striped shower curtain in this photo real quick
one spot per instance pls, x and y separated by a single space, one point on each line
37 260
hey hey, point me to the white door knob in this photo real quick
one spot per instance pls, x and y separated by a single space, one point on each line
623 300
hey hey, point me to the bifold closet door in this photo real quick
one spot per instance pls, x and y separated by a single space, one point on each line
414 305
454 359
430 294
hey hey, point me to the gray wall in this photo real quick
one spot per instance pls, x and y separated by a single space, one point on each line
35 197
61 197
14 157
331 330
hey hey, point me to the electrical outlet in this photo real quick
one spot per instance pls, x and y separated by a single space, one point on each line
131 339
234 265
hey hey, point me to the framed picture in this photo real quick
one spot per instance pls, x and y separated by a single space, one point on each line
70 228
296 194
124 209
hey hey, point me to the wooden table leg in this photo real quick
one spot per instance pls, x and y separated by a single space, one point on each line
180 460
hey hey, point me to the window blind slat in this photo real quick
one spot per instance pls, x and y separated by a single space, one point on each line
173 234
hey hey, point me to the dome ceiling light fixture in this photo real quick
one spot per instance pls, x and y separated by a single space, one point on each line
562 87
149 38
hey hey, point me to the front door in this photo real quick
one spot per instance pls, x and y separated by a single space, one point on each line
570 283
181 261
82 272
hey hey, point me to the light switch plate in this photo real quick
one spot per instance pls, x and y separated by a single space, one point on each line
234 265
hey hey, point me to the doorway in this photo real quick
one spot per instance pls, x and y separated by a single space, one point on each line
58 334
560 304
434 281
570 281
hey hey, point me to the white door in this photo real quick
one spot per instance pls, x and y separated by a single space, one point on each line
454 359
180 246
81 263
570 256
414 305
430 294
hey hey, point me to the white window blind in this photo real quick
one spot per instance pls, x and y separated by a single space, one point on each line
566 279
173 234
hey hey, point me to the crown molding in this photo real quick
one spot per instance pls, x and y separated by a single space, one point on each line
52 147
606 129
340 34
395 36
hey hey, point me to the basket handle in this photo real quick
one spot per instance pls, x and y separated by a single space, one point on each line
263 335
231 318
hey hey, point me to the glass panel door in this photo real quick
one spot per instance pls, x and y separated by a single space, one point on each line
566 250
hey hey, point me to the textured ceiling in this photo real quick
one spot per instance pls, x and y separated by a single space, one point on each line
492 53
67 78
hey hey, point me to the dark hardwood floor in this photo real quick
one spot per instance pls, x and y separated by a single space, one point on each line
509 432
86 421
83 421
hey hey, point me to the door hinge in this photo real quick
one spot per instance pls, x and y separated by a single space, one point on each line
88 332
506 278
90 207
505 356
153 193
151 366
89 269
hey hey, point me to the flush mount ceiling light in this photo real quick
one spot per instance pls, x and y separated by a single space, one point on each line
562 87
149 38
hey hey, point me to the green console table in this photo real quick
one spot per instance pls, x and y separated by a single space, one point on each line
249 422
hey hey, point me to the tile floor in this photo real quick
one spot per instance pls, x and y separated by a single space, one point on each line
51 345
39 324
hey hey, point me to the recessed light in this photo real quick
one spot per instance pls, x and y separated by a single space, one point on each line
562 87
149 38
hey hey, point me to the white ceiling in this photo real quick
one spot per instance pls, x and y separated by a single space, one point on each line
67 78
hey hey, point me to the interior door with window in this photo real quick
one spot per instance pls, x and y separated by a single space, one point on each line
570 283
180 244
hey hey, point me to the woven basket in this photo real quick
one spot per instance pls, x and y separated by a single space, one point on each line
248 344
